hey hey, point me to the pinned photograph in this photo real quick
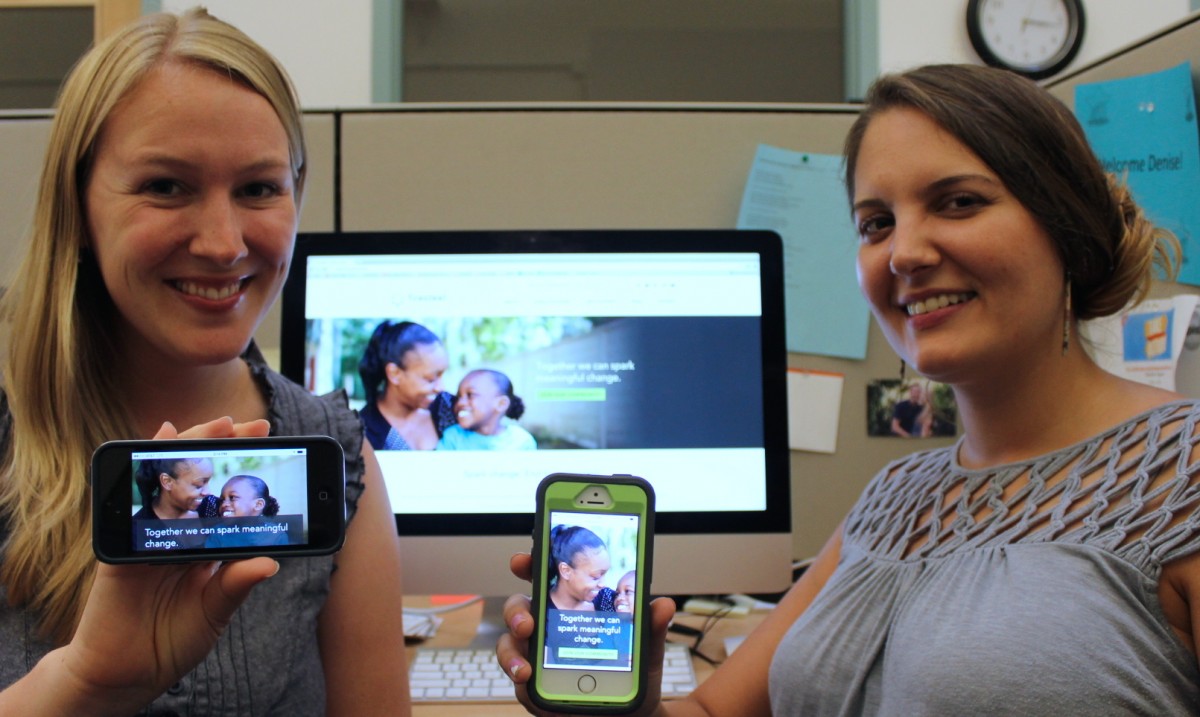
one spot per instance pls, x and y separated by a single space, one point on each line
914 408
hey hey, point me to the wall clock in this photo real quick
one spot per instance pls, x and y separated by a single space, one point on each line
1036 38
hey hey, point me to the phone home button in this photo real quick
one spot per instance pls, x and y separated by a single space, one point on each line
587 684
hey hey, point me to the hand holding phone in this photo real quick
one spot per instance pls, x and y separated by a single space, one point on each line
593 544
512 650
217 499
143 627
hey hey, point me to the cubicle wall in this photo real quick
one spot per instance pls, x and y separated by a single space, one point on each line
1177 43
583 166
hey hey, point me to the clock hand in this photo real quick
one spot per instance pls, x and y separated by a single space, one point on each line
1027 18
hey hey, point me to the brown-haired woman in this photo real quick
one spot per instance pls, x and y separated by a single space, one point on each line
1049 562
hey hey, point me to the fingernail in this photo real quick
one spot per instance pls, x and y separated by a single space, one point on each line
276 570
514 669
516 620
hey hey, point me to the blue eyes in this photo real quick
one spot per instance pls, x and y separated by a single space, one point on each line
162 187
260 190
170 188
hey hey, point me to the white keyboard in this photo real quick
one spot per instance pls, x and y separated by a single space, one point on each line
679 679
466 675
458 675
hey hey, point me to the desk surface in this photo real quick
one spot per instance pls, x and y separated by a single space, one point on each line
458 628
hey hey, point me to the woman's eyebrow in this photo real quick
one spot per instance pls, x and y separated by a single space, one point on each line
170 162
957 179
865 203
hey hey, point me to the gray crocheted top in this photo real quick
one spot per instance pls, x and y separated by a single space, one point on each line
1026 589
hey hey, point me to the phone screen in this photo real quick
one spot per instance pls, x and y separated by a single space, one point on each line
218 499
590 591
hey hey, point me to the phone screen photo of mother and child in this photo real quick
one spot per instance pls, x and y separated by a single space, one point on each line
593 573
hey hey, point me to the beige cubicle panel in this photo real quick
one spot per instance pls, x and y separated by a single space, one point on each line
22 144
1173 45
318 212
564 166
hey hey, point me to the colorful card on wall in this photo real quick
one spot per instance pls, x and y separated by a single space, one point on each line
1144 129
1146 342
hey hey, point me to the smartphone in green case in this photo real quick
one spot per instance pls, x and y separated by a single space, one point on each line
593 541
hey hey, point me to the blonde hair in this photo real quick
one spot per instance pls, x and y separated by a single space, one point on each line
63 399
1033 142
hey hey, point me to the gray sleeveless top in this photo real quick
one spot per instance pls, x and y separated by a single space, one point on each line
267 661
1032 592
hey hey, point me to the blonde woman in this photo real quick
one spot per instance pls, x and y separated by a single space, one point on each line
163 232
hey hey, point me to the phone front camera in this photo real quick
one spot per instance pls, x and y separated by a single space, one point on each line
323 495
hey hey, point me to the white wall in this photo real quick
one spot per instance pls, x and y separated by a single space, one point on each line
917 32
324 44
327 45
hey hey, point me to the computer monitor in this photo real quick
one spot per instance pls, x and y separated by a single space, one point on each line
655 353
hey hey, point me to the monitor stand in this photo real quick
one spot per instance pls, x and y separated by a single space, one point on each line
458 619
491 624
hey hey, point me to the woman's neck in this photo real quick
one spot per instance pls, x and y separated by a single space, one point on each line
396 411
1040 408
167 512
565 601
189 395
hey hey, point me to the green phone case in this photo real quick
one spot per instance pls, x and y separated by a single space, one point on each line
630 496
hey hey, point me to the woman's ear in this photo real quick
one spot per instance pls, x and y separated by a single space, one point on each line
502 404
259 504
165 481
392 371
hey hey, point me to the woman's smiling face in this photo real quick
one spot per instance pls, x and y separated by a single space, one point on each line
959 274
191 214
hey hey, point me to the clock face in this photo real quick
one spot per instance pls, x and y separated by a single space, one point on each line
1034 37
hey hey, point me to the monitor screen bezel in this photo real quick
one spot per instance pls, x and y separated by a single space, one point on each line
776 518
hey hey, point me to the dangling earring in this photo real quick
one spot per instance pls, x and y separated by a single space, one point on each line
1066 337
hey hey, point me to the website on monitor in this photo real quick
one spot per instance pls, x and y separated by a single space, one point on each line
639 363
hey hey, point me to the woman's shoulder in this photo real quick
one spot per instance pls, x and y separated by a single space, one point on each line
293 410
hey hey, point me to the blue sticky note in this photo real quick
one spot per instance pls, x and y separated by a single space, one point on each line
1144 129
801 196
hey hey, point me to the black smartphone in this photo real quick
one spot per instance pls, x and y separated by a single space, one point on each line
217 499
592 552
